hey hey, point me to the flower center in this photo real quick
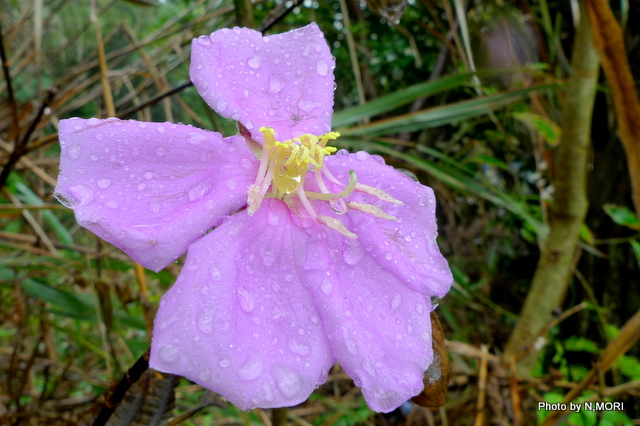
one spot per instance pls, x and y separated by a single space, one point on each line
284 167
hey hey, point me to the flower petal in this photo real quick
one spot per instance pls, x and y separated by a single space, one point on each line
284 81
238 320
406 247
151 189
378 328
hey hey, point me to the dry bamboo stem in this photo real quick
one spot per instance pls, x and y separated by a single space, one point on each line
568 209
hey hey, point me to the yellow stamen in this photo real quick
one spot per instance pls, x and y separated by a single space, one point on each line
336 225
353 182
283 170
371 209
378 193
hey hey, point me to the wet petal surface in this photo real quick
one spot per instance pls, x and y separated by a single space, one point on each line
406 247
284 81
151 189
238 320
378 328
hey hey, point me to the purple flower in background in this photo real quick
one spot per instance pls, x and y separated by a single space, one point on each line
313 257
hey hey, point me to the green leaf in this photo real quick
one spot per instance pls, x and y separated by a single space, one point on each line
581 344
635 245
549 130
439 116
397 99
629 366
586 234
27 196
78 306
615 418
622 216
488 160
458 176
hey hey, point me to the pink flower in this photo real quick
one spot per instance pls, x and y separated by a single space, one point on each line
296 260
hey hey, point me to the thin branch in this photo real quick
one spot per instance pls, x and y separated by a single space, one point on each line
20 147
277 15
7 77
114 399
628 336
155 100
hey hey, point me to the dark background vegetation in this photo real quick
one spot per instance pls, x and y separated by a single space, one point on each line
75 313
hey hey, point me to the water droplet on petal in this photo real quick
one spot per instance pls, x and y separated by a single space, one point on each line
103 183
435 301
246 299
307 105
420 308
216 274
225 362
269 258
276 84
326 286
388 255
339 206
160 129
204 41
254 62
353 254
361 155
266 387
322 67
352 345
141 186
206 320
154 207
196 138
74 151
160 152
204 375
198 191
82 193
289 382
273 218
94 157
251 369
396 301
298 348
221 105
148 175
169 354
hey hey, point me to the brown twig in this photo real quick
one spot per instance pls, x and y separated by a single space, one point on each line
20 147
277 15
628 336
114 399
608 38
482 386
7 77
154 100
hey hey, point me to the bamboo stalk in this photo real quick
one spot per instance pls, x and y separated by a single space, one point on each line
568 209
609 41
